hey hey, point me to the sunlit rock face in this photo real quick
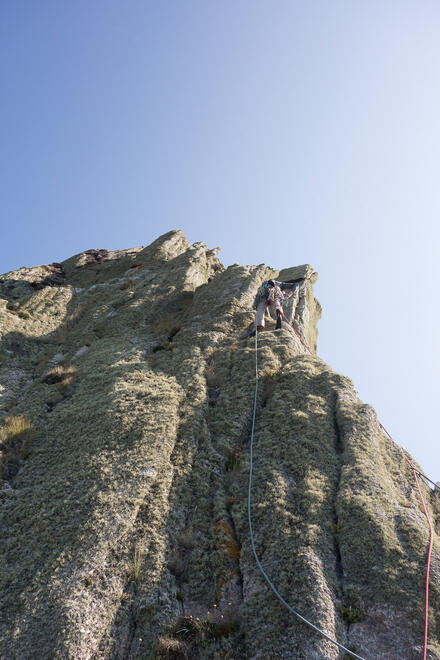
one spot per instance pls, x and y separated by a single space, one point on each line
126 395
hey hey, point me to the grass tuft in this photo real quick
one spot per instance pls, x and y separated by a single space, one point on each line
136 565
63 377
187 628
15 436
188 634
351 613
169 327
334 528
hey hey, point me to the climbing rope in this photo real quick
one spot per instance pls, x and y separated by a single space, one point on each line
427 479
428 565
415 473
296 332
251 533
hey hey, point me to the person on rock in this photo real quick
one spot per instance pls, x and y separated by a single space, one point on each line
270 297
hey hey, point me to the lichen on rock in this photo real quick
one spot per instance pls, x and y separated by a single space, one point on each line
125 531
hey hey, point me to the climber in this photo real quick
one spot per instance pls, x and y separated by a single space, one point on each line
269 297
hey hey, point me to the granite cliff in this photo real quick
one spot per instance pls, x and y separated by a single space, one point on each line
126 395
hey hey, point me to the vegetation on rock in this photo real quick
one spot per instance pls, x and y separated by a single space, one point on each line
126 394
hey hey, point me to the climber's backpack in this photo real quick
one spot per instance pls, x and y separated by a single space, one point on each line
265 288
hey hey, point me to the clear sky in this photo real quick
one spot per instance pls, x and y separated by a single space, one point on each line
284 132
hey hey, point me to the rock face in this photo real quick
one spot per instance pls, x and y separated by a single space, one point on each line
126 396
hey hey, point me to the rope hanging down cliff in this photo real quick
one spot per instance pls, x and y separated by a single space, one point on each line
251 533
270 583
431 538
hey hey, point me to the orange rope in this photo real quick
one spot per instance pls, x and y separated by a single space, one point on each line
428 566
296 332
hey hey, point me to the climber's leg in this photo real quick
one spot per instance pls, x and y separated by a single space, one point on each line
276 312
259 316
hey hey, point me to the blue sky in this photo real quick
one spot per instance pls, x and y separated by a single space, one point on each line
284 132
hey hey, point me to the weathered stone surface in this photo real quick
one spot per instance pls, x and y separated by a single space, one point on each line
130 511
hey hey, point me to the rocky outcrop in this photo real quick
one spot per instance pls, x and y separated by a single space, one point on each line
124 511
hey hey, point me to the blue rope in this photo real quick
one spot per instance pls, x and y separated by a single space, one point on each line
269 582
